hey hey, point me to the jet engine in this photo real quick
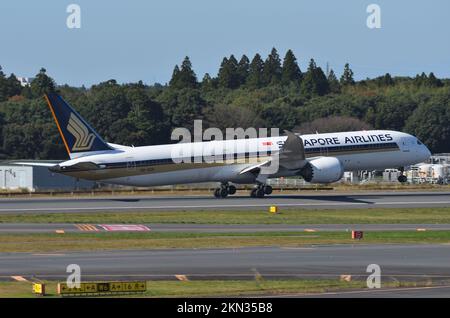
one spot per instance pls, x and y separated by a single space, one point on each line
322 170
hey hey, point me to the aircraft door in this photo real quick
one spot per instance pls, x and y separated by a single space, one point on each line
405 144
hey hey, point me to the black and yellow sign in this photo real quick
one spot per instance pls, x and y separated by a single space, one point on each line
39 289
102 288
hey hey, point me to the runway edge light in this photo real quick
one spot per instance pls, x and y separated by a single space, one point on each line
273 209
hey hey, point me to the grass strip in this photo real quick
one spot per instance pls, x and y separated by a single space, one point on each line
160 240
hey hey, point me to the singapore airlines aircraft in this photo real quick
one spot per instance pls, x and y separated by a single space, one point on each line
318 158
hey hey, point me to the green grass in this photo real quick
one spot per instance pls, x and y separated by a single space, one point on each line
54 243
213 288
286 216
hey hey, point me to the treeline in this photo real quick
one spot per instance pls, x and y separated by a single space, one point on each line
257 92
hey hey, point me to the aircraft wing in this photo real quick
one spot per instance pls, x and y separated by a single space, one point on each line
291 155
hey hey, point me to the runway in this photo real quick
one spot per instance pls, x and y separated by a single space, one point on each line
202 202
7 228
407 262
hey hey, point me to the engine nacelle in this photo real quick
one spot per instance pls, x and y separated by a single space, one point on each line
322 170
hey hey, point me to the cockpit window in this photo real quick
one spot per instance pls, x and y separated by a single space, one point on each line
419 142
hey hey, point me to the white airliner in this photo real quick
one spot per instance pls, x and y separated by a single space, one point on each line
318 158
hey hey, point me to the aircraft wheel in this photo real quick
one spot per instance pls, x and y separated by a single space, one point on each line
231 189
402 179
260 193
267 189
217 192
223 192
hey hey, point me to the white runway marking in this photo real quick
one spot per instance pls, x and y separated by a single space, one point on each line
19 278
226 206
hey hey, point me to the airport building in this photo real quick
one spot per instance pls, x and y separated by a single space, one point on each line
16 177
25 81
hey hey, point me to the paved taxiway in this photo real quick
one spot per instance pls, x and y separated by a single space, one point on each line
203 202
6 228
418 262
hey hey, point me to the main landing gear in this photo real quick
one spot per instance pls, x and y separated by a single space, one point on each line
227 189
260 190
224 190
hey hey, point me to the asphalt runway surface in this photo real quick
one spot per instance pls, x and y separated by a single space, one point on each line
7 228
407 292
240 202
397 261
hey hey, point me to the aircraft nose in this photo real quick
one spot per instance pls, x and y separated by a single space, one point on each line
426 153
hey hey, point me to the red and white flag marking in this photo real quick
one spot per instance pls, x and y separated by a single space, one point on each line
124 227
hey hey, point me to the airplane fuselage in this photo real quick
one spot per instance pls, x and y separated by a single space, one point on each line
222 161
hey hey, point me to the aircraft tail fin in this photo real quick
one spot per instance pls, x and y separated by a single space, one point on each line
78 136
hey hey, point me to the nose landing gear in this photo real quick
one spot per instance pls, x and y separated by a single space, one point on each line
224 190
402 178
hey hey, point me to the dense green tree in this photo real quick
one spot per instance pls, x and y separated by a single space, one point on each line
433 81
429 122
182 106
243 69
332 124
314 81
333 82
2 125
228 76
29 131
392 110
146 118
3 86
421 80
385 80
175 76
208 82
14 87
184 77
9 86
290 69
42 84
137 114
272 68
347 76
255 74
236 116
279 116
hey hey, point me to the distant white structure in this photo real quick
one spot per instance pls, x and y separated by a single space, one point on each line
25 81
13 177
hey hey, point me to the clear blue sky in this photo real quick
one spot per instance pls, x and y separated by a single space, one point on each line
143 40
